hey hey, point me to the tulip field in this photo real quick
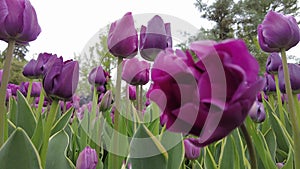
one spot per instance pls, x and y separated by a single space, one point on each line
204 106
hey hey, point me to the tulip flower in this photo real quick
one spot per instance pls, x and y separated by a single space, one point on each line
87 159
273 62
14 88
154 38
122 40
279 165
277 32
61 80
97 76
257 112
29 69
136 72
35 90
209 96
192 152
132 92
294 71
270 85
18 21
41 65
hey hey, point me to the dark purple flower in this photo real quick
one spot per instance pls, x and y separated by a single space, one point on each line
122 40
87 159
35 89
270 85
135 72
29 70
294 71
61 79
278 31
154 38
273 63
257 112
8 94
209 96
192 152
18 21
42 63
279 165
14 88
132 92
97 76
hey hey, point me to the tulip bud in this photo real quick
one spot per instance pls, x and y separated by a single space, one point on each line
154 38
105 101
278 31
279 165
97 76
61 79
29 69
257 112
192 152
132 92
18 21
136 72
294 71
122 40
270 85
273 63
87 159
41 65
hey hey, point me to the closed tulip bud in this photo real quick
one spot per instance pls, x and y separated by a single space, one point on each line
154 38
132 92
277 32
122 40
29 69
279 165
41 65
136 72
13 88
273 63
294 71
87 159
257 112
18 21
61 80
97 76
192 152
270 85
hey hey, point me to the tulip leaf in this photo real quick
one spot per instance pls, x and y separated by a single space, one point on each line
154 156
11 127
172 142
289 162
228 157
19 152
62 122
24 116
37 138
57 149
272 144
209 161
12 110
196 165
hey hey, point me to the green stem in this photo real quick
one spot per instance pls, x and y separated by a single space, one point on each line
29 90
48 126
93 113
279 101
252 154
137 91
115 161
292 109
141 99
5 78
296 101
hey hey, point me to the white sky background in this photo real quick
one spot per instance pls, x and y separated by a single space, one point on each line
67 25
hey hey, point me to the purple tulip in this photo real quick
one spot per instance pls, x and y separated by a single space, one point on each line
8 94
209 96
192 152
87 159
279 165
97 76
42 63
61 80
35 89
14 88
18 21
154 38
29 70
270 86
278 31
257 112
122 38
273 63
294 71
132 92
135 72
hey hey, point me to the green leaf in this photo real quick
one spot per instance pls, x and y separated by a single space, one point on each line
56 154
62 121
37 138
272 144
173 143
196 165
25 117
146 151
209 161
18 152
289 163
12 110
227 157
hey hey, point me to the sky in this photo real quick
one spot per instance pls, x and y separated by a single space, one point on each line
68 25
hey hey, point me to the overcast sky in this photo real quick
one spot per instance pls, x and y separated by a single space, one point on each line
67 25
